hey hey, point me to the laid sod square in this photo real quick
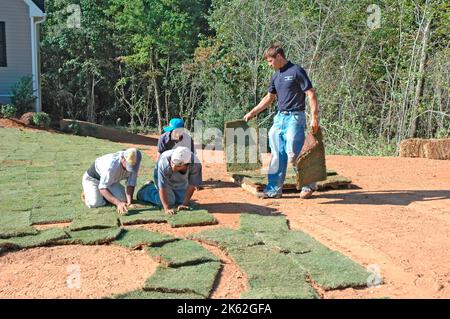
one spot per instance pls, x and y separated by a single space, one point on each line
132 238
43 238
142 294
332 270
97 218
227 238
197 279
52 215
258 223
287 242
15 224
266 268
278 293
91 236
182 252
187 218
143 215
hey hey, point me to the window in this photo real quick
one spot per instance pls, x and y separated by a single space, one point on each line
2 44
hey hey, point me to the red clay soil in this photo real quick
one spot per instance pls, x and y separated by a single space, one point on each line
398 220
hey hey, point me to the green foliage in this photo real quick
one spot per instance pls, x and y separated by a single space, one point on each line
74 128
8 111
22 96
41 119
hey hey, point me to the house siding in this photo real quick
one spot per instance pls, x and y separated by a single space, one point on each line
15 14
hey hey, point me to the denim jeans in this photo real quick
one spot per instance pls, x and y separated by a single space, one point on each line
150 193
286 138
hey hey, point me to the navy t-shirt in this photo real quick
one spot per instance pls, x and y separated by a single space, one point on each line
165 142
290 84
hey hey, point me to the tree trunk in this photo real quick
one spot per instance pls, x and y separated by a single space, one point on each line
156 89
420 81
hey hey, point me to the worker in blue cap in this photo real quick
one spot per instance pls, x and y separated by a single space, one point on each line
174 135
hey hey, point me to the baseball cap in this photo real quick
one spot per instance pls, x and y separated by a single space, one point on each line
173 124
133 158
181 156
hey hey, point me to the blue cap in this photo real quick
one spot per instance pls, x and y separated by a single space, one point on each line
174 124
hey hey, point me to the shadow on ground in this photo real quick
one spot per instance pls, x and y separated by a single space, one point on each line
387 197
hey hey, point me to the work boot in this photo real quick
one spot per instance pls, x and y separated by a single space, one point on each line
306 194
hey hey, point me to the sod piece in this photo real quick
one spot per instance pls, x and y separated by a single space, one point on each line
227 238
14 224
187 218
332 270
132 238
287 242
95 219
241 145
143 216
43 238
259 223
266 268
277 293
197 279
182 252
51 215
91 236
334 182
142 294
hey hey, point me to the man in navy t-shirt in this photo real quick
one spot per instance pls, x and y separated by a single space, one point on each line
290 85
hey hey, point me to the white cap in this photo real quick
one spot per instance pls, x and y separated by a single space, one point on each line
181 155
133 159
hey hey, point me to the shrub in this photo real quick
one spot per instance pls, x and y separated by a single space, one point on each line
22 95
74 127
41 119
8 111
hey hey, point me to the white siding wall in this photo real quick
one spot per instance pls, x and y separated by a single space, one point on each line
15 14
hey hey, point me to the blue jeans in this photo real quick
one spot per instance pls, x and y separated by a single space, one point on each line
150 193
286 138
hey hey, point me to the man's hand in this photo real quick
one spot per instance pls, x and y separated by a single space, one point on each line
183 207
314 125
122 208
248 116
169 211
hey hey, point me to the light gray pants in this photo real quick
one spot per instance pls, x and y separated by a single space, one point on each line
93 197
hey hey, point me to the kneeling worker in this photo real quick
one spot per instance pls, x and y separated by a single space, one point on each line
177 173
102 180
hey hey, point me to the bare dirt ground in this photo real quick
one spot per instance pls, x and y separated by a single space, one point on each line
398 219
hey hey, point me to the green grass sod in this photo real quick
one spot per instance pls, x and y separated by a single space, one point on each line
258 223
182 252
227 238
143 215
91 236
278 293
332 270
287 242
197 279
142 294
266 268
43 238
52 215
187 218
95 218
132 238
14 224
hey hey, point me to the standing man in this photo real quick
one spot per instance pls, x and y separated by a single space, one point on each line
102 180
290 85
177 174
